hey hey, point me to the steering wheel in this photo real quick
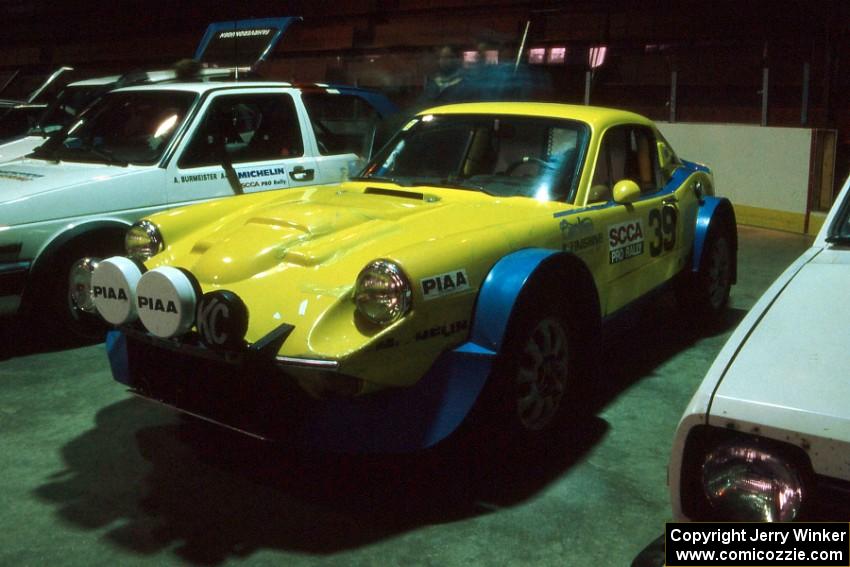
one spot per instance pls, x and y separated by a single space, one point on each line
542 164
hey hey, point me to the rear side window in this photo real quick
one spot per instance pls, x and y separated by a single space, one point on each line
245 128
344 124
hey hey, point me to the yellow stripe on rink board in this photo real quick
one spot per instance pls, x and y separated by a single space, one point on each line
770 218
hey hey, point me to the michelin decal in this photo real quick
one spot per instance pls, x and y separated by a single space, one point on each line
262 177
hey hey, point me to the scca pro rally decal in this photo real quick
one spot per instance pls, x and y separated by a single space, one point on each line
625 240
444 284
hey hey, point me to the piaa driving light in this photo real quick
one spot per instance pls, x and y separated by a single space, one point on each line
746 483
143 240
382 293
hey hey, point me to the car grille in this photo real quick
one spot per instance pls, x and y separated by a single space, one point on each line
259 399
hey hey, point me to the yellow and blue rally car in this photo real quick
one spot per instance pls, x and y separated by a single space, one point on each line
485 244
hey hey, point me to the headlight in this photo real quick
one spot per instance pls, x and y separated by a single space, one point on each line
747 483
143 240
382 293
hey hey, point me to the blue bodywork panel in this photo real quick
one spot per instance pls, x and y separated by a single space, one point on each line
376 100
404 419
705 214
499 293
393 420
275 26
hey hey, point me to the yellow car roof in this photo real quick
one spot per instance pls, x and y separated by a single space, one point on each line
596 116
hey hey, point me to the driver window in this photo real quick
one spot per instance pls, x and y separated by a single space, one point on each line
626 152
245 128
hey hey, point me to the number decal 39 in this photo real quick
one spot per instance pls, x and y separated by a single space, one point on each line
663 221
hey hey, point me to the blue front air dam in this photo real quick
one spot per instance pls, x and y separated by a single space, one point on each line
390 421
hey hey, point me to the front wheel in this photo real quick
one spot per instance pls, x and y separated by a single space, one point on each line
540 374
63 306
533 382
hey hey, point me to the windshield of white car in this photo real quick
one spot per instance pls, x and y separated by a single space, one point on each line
839 231
130 127
65 107
501 155
23 85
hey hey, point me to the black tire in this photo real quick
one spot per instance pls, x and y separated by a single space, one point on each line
713 283
56 308
532 388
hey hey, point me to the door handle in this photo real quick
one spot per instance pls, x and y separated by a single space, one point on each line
298 173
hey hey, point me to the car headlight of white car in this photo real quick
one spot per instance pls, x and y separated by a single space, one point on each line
739 477
143 240
382 293
749 483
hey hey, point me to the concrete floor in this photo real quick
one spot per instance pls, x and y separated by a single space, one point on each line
90 476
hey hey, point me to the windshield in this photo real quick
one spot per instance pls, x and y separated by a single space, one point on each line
23 85
70 102
839 231
125 127
507 156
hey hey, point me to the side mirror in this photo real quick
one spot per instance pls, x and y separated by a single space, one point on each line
626 191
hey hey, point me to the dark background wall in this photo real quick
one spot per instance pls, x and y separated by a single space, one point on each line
717 48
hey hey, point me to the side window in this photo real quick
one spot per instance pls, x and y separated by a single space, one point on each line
344 124
245 128
643 161
627 152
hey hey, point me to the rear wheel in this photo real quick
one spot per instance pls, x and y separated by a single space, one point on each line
713 282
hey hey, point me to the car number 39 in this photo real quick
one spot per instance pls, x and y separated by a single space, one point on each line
663 221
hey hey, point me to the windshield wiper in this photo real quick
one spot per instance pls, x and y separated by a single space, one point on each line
37 131
46 151
105 154
838 239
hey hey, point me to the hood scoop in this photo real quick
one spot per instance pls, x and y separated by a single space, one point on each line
394 193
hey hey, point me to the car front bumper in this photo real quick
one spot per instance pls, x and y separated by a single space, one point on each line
13 279
259 396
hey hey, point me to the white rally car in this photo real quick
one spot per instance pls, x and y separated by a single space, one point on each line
146 148
766 437
35 121
72 100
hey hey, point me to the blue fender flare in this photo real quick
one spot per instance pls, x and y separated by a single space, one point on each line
499 293
712 211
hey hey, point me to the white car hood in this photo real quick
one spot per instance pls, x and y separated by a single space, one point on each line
25 178
18 148
792 373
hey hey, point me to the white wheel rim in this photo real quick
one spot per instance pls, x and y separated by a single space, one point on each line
719 274
542 374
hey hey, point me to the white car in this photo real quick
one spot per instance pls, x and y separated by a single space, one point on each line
142 149
32 123
72 100
766 437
